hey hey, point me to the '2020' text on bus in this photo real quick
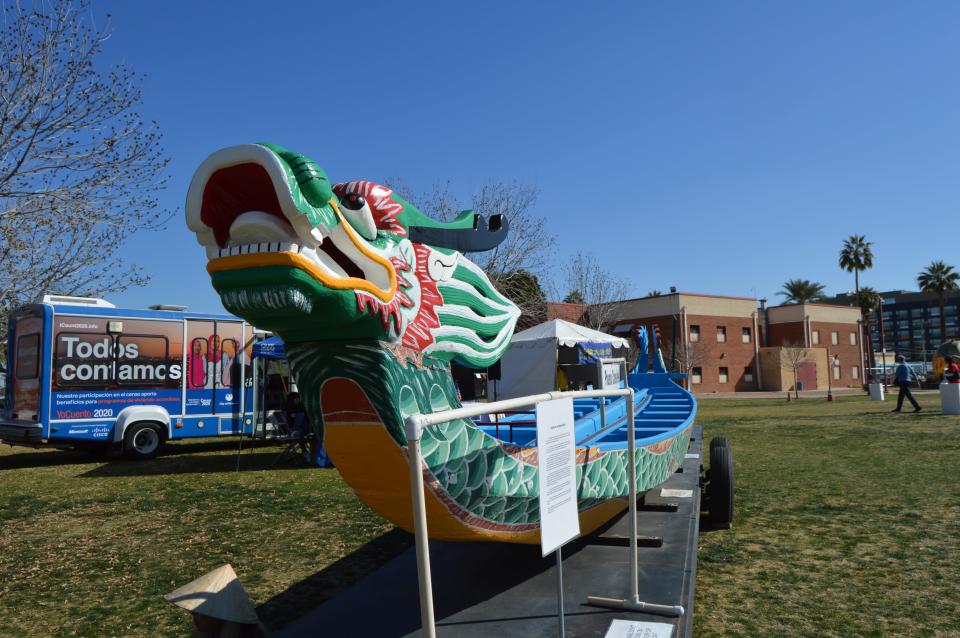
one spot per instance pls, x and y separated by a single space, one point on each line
82 372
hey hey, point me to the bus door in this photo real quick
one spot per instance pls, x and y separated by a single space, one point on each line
213 371
25 368
228 387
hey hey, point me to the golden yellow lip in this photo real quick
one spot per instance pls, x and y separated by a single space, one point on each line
238 262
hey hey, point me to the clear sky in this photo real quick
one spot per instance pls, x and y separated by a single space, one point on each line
720 147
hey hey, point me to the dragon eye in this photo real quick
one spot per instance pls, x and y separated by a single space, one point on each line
354 201
356 211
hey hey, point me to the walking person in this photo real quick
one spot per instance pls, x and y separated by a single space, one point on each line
903 375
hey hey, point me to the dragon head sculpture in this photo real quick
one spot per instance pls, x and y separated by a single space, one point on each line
314 261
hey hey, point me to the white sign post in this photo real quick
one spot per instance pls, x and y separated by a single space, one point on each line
556 461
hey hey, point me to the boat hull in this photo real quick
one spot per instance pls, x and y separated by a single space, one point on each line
478 488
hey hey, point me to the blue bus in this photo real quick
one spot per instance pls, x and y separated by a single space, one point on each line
83 373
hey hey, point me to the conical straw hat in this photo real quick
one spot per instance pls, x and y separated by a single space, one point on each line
218 594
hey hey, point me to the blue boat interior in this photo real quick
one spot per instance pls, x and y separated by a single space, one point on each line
661 409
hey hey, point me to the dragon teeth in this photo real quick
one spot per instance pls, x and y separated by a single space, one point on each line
252 249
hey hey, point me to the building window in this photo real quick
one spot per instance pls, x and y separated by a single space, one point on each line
695 334
815 337
724 375
748 374
746 335
696 376
855 373
853 338
835 337
836 373
721 334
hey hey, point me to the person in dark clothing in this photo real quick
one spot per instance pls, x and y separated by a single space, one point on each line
296 416
952 373
903 375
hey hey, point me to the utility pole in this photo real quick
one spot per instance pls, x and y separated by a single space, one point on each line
829 376
883 343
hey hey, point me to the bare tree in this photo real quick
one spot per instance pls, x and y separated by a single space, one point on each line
688 355
792 356
602 291
79 168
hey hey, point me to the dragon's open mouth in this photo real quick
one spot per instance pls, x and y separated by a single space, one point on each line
243 206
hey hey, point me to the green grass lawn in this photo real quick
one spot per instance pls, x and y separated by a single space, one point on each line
846 525
88 548
847 521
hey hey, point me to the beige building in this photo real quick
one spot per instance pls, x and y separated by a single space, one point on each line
777 368
834 329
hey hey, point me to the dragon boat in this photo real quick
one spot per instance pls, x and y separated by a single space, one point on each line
374 300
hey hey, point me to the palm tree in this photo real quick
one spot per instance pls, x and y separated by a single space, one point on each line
940 278
802 291
856 257
868 299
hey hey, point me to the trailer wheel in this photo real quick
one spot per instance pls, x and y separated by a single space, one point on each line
719 441
720 487
142 441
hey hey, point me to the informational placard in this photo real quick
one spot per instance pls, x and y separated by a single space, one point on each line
634 629
556 462
668 493
612 375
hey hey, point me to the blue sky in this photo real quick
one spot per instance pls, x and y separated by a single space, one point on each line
721 147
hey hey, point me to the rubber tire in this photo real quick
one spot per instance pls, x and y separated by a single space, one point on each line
146 435
720 487
719 441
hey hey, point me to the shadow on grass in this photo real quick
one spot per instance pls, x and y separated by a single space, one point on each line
708 527
43 458
196 458
303 596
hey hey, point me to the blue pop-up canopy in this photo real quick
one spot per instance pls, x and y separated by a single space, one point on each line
270 348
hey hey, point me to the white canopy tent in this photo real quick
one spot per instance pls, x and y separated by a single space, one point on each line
529 365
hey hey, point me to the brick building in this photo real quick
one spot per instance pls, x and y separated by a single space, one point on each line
571 312
718 340
835 329
712 336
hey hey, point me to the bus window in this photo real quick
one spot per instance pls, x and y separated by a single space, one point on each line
229 366
144 360
228 372
28 357
197 363
25 372
83 359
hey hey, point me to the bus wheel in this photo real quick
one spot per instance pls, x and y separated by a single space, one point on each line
142 441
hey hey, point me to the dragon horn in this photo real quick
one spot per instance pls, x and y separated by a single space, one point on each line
482 236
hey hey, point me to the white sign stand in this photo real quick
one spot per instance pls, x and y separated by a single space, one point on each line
557 465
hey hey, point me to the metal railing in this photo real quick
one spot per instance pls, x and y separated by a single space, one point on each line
414 427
